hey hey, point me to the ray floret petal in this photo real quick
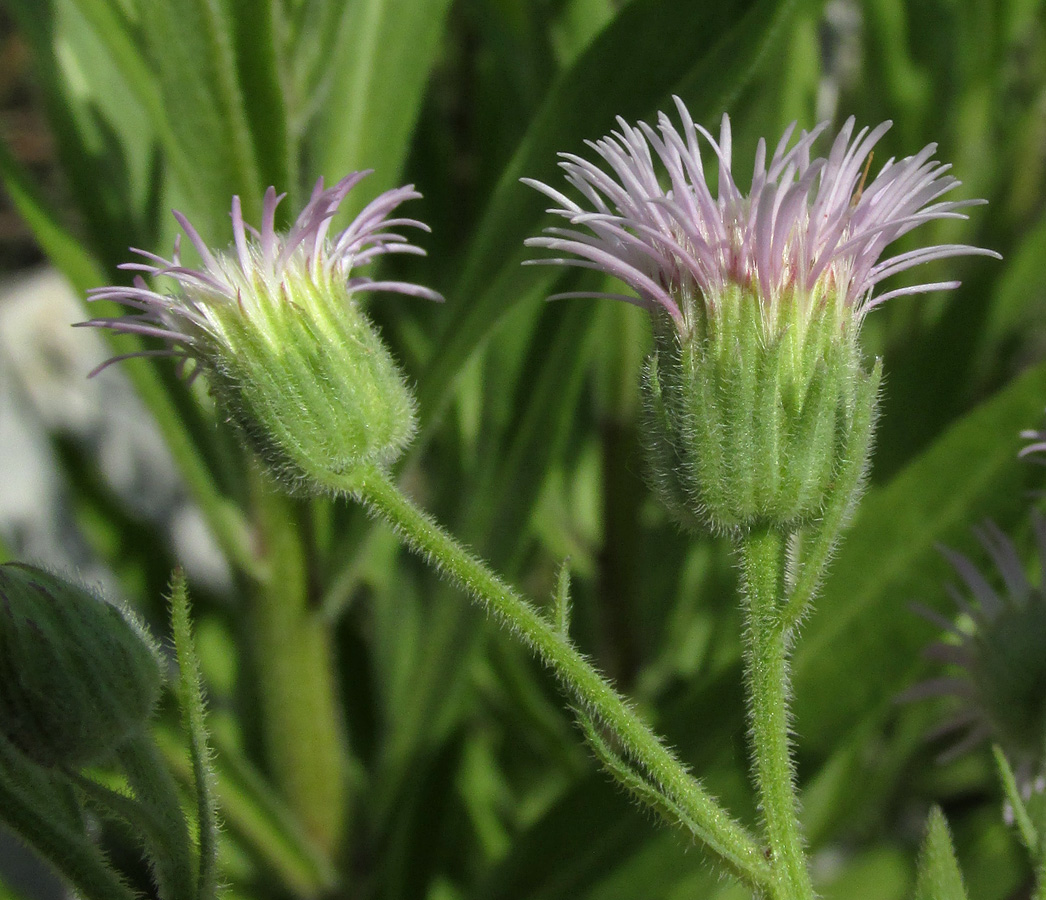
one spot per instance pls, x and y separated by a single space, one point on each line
804 223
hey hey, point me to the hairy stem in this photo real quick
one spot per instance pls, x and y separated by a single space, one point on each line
725 837
766 661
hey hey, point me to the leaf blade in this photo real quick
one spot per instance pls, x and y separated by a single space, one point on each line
380 71
938 877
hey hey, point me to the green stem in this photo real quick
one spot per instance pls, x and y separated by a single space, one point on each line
190 697
168 844
304 733
766 656
726 838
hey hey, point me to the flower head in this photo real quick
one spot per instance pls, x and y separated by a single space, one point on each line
808 232
275 324
996 655
756 397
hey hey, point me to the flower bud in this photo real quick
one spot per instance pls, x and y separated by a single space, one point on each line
77 674
310 384
758 408
276 324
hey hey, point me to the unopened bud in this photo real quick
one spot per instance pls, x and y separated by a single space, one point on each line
78 675
276 325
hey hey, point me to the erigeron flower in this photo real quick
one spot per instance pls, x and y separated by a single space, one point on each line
756 396
995 651
275 323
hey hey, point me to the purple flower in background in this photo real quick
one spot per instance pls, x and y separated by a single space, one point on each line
808 230
254 272
995 652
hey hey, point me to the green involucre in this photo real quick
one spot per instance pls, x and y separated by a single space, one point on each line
310 383
750 421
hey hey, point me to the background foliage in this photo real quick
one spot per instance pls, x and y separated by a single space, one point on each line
469 779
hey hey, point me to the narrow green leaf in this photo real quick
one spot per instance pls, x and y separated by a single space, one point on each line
379 71
141 825
550 387
190 48
68 254
939 877
306 745
171 855
190 698
113 29
705 52
256 818
1017 292
84 165
1025 827
862 621
632 781
258 25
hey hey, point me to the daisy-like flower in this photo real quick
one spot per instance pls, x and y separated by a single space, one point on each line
995 652
757 297
275 323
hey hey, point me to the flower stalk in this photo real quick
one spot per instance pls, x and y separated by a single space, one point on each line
728 840
759 413
763 562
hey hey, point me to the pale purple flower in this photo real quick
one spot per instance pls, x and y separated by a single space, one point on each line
807 228
995 652
256 269
1036 449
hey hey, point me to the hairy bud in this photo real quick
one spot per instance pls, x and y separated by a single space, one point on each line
77 674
